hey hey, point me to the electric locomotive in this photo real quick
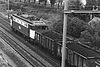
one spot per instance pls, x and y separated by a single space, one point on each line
27 24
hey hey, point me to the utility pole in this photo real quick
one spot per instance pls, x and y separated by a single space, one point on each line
66 12
64 34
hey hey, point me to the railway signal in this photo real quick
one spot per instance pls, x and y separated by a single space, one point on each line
66 12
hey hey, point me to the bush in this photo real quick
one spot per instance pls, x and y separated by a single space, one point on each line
74 27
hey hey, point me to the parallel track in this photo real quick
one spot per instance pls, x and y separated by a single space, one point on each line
22 51
55 64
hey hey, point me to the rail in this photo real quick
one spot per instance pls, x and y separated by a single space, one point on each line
22 51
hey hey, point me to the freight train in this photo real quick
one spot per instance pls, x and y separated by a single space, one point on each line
26 24
36 30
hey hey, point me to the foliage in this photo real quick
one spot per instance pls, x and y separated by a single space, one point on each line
91 3
24 0
60 2
87 36
28 0
95 23
34 1
58 27
76 5
92 32
94 39
84 17
43 1
95 31
52 2
14 7
74 27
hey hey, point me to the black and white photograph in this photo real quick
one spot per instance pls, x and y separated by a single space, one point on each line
49 33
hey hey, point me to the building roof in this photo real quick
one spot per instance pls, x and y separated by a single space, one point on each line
95 23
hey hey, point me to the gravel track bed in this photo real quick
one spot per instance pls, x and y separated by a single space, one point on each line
12 56
33 53
40 57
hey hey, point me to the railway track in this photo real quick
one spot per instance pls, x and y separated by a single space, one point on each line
47 58
50 60
22 51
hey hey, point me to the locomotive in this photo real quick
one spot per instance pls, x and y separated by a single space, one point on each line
26 24
36 30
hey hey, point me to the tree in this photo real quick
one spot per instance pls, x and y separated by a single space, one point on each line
45 1
52 2
78 4
59 2
74 27
24 0
91 3
75 4
92 32
95 23
29 1
34 1
20 1
87 36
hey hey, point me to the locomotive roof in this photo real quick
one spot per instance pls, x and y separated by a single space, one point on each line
83 50
41 23
31 19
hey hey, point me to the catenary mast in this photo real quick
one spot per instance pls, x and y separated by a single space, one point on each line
66 11
64 34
